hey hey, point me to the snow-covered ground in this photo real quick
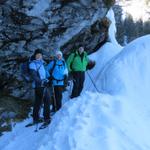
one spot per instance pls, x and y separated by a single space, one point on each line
114 117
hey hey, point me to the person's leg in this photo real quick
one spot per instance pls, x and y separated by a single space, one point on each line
76 83
37 103
58 96
81 82
46 101
52 101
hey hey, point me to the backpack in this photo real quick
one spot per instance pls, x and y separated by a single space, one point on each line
51 71
75 54
25 70
91 64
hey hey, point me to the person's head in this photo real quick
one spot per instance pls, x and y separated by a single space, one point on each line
59 55
38 54
51 57
81 50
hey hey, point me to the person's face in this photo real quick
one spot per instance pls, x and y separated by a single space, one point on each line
59 56
81 50
38 56
51 57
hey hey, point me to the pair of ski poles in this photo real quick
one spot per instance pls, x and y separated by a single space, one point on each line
70 84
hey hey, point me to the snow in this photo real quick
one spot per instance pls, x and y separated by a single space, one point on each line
116 117
136 8
112 29
39 8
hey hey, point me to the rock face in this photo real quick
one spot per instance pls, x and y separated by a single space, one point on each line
50 25
12 111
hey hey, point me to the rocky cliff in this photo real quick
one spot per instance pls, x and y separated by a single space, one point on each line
50 25
47 24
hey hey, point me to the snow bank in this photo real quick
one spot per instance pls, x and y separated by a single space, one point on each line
108 122
129 71
101 57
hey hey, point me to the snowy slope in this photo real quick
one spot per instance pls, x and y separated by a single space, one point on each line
110 122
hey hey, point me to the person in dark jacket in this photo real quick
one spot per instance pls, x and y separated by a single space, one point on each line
57 71
40 82
77 63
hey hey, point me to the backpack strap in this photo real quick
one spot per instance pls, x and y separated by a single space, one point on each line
51 71
74 56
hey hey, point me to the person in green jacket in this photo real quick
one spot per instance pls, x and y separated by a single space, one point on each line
77 63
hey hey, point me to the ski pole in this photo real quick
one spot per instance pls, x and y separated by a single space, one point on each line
44 91
93 82
54 98
36 127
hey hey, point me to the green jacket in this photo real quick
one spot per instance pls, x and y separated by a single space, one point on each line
76 62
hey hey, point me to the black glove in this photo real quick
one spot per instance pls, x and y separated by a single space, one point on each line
65 80
45 83
50 80
70 76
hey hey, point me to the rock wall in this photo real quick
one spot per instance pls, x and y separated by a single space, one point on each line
50 25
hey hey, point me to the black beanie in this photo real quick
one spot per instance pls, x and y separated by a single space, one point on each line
38 51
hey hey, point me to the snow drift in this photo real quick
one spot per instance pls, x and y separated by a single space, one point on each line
117 120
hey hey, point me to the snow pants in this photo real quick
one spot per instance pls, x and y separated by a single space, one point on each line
41 96
58 90
78 82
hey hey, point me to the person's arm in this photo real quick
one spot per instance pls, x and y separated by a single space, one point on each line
66 70
34 74
69 61
48 68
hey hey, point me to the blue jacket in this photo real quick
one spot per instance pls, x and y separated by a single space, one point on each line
58 73
38 72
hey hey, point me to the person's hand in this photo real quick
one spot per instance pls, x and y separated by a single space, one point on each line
50 80
65 80
45 82
70 76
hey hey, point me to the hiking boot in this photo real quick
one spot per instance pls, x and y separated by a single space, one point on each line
38 121
47 121
53 110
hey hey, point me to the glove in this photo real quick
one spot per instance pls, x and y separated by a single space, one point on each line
70 76
65 80
45 83
50 80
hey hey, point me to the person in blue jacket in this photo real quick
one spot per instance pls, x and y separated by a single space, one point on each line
57 72
40 82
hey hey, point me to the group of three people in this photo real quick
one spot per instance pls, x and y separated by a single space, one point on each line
48 81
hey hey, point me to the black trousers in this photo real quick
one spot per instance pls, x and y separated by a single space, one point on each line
58 90
78 82
41 96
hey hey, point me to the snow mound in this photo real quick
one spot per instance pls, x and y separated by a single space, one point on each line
109 122
129 71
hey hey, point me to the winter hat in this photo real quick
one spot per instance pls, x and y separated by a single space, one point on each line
59 53
38 51
81 48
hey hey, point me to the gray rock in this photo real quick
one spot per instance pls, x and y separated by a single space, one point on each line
62 25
